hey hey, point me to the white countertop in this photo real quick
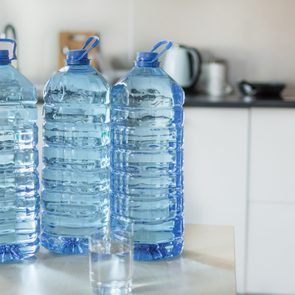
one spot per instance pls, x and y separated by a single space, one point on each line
206 267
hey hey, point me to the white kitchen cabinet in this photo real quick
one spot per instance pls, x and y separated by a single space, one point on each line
215 172
271 237
272 155
271 244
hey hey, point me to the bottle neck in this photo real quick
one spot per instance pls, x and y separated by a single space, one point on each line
4 62
82 62
147 71
79 68
142 64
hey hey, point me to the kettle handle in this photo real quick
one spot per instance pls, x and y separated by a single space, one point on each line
196 66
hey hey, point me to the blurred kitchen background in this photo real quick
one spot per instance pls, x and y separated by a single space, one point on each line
239 150
253 36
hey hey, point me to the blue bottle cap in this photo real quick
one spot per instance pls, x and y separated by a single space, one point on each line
4 53
151 58
80 56
4 57
77 57
147 59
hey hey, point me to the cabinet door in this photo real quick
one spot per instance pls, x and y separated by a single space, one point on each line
272 157
271 244
215 172
271 240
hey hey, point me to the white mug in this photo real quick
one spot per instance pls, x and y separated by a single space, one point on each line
213 79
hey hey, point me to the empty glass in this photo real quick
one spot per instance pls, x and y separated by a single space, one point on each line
111 263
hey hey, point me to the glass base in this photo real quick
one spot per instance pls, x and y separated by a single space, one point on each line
65 245
114 288
18 252
148 252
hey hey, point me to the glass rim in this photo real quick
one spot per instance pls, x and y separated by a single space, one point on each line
110 234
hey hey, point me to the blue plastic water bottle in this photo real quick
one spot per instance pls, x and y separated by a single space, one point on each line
75 199
19 183
147 157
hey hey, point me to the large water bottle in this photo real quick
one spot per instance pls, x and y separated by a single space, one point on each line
147 157
75 199
19 183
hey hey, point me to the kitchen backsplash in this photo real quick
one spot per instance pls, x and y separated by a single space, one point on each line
252 35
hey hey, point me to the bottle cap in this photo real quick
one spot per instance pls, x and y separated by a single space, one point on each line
77 57
147 59
4 53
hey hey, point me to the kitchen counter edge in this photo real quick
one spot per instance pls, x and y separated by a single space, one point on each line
234 101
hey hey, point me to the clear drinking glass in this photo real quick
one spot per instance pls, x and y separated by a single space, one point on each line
111 263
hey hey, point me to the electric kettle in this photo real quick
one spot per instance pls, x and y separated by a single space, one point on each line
183 64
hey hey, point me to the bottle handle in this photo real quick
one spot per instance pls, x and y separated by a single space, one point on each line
159 44
90 43
14 46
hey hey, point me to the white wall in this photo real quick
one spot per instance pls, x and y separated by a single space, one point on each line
2 19
38 23
257 37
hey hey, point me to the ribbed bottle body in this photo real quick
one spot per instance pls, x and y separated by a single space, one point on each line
19 180
75 198
147 161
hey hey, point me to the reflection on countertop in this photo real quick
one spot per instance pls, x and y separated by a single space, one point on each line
207 266
236 101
